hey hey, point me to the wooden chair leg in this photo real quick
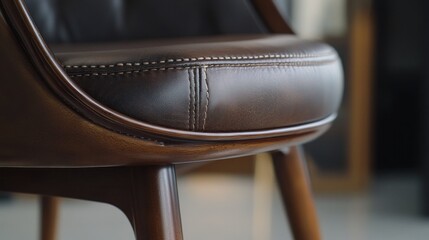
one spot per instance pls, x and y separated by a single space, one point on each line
294 184
155 210
147 195
49 217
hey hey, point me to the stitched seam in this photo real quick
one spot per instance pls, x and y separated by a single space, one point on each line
197 99
189 99
194 113
207 97
297 64
193 59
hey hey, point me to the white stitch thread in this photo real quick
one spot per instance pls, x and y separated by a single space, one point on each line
189 97
295 64
206 58
194 95
207 96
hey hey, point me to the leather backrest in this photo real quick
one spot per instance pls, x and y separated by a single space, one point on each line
62 21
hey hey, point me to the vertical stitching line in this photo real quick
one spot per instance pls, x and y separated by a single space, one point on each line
196 99
189 98
193 100
207 97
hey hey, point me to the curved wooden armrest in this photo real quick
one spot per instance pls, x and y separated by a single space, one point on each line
272 17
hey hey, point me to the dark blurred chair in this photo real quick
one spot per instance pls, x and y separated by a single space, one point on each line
93 105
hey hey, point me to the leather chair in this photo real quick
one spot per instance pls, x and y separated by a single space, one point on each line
101 99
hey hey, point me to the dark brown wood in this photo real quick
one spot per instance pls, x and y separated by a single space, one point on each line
55 131
155 209
49 207
294 184
272 17
147 195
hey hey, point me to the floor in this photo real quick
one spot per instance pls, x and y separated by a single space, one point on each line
231 207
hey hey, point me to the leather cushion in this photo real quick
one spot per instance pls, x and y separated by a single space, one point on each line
217 84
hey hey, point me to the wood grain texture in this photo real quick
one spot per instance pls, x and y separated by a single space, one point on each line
147 195
293 180
52 123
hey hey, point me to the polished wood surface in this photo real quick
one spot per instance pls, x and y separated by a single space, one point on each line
55 130
147 195
270 14
293 179
49 207
155 209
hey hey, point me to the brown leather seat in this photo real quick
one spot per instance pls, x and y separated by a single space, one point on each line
109 122
217 84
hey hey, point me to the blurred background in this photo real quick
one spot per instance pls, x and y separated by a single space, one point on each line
370 172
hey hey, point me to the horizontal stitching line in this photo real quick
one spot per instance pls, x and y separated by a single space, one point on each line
298 64
265 56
